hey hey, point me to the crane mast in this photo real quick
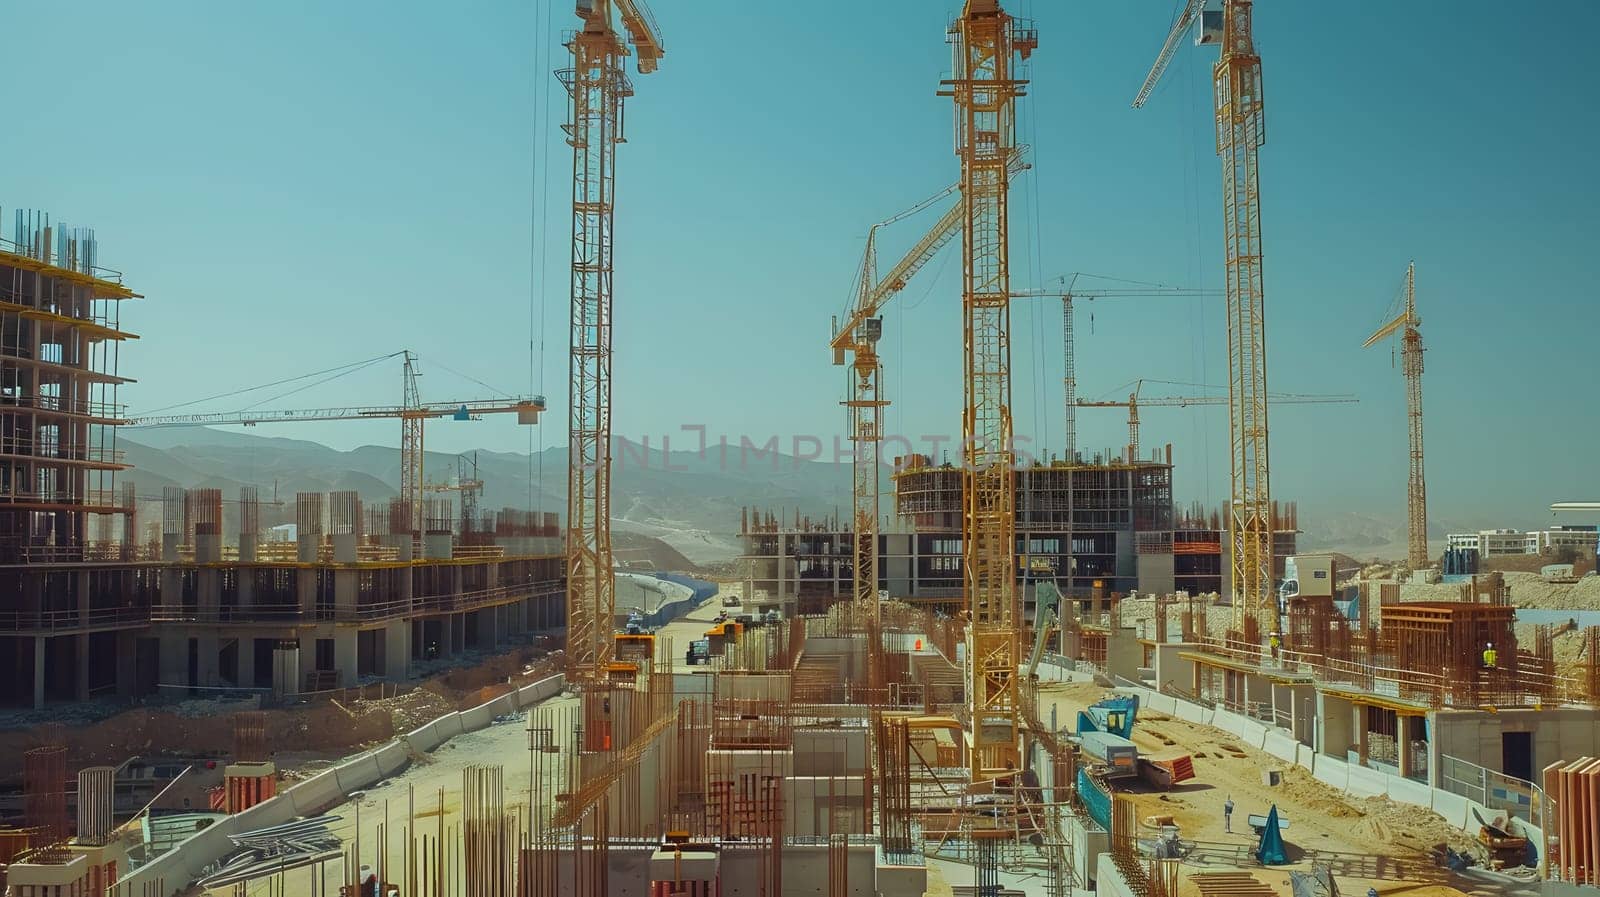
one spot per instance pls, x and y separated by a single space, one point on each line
1241 131
1411 365
984 87
597 85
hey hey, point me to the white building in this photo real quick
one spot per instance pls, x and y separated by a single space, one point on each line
1500 542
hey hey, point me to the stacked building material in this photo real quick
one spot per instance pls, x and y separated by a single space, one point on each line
1575 850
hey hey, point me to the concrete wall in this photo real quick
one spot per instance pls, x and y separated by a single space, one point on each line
329 788
1559 733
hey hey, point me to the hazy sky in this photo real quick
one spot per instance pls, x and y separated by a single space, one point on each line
298 185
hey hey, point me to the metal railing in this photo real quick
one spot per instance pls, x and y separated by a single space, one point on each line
1495 790
25 621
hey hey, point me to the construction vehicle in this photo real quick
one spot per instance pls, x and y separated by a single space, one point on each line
634 649
699 652
1118 755
1114 715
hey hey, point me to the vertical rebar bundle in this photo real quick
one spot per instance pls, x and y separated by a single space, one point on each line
308 514
44 777
249 736
249 511
344 513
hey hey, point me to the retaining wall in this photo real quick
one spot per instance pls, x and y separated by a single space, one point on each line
176 868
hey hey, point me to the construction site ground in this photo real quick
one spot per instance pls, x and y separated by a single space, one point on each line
1367 842
304 736
430 778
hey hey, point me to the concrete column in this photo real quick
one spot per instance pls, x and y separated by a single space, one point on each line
1403 744
489 628
38 671
458 632
401 543
247 547
1359 715
207 548
437 546
396 650
306 547
345 584
447 639
169 546
344 548
344 656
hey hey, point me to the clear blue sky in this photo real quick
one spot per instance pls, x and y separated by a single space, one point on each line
296 185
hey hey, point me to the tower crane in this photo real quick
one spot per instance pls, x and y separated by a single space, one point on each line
1069 347
1406 324
412 413
467 483
1134 403
1241 131
597 85
984 86
859 339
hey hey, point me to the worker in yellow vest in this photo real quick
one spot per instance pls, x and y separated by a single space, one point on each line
1275 643
1489 656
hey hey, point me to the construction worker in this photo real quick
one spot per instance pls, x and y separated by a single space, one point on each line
1490 656
1275 642
1227 815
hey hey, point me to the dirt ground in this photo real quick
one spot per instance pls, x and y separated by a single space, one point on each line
319 731
1371 842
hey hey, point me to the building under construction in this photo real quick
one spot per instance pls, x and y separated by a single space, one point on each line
1111 524
94 601
960 729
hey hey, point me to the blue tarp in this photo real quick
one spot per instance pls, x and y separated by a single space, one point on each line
1271 852
1097 802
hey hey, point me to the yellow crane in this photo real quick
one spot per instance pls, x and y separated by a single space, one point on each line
412 413
1406 324
858 339
1134 403
1241 131
597 84
984 85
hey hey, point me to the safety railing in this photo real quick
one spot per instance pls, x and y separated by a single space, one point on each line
1495 790
24 621
66 405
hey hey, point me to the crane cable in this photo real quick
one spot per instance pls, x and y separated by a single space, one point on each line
337 371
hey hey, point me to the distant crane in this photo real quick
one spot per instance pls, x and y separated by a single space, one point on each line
1134 403
466 484
597 84
1406 324
1241 131
412 412
1069 347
